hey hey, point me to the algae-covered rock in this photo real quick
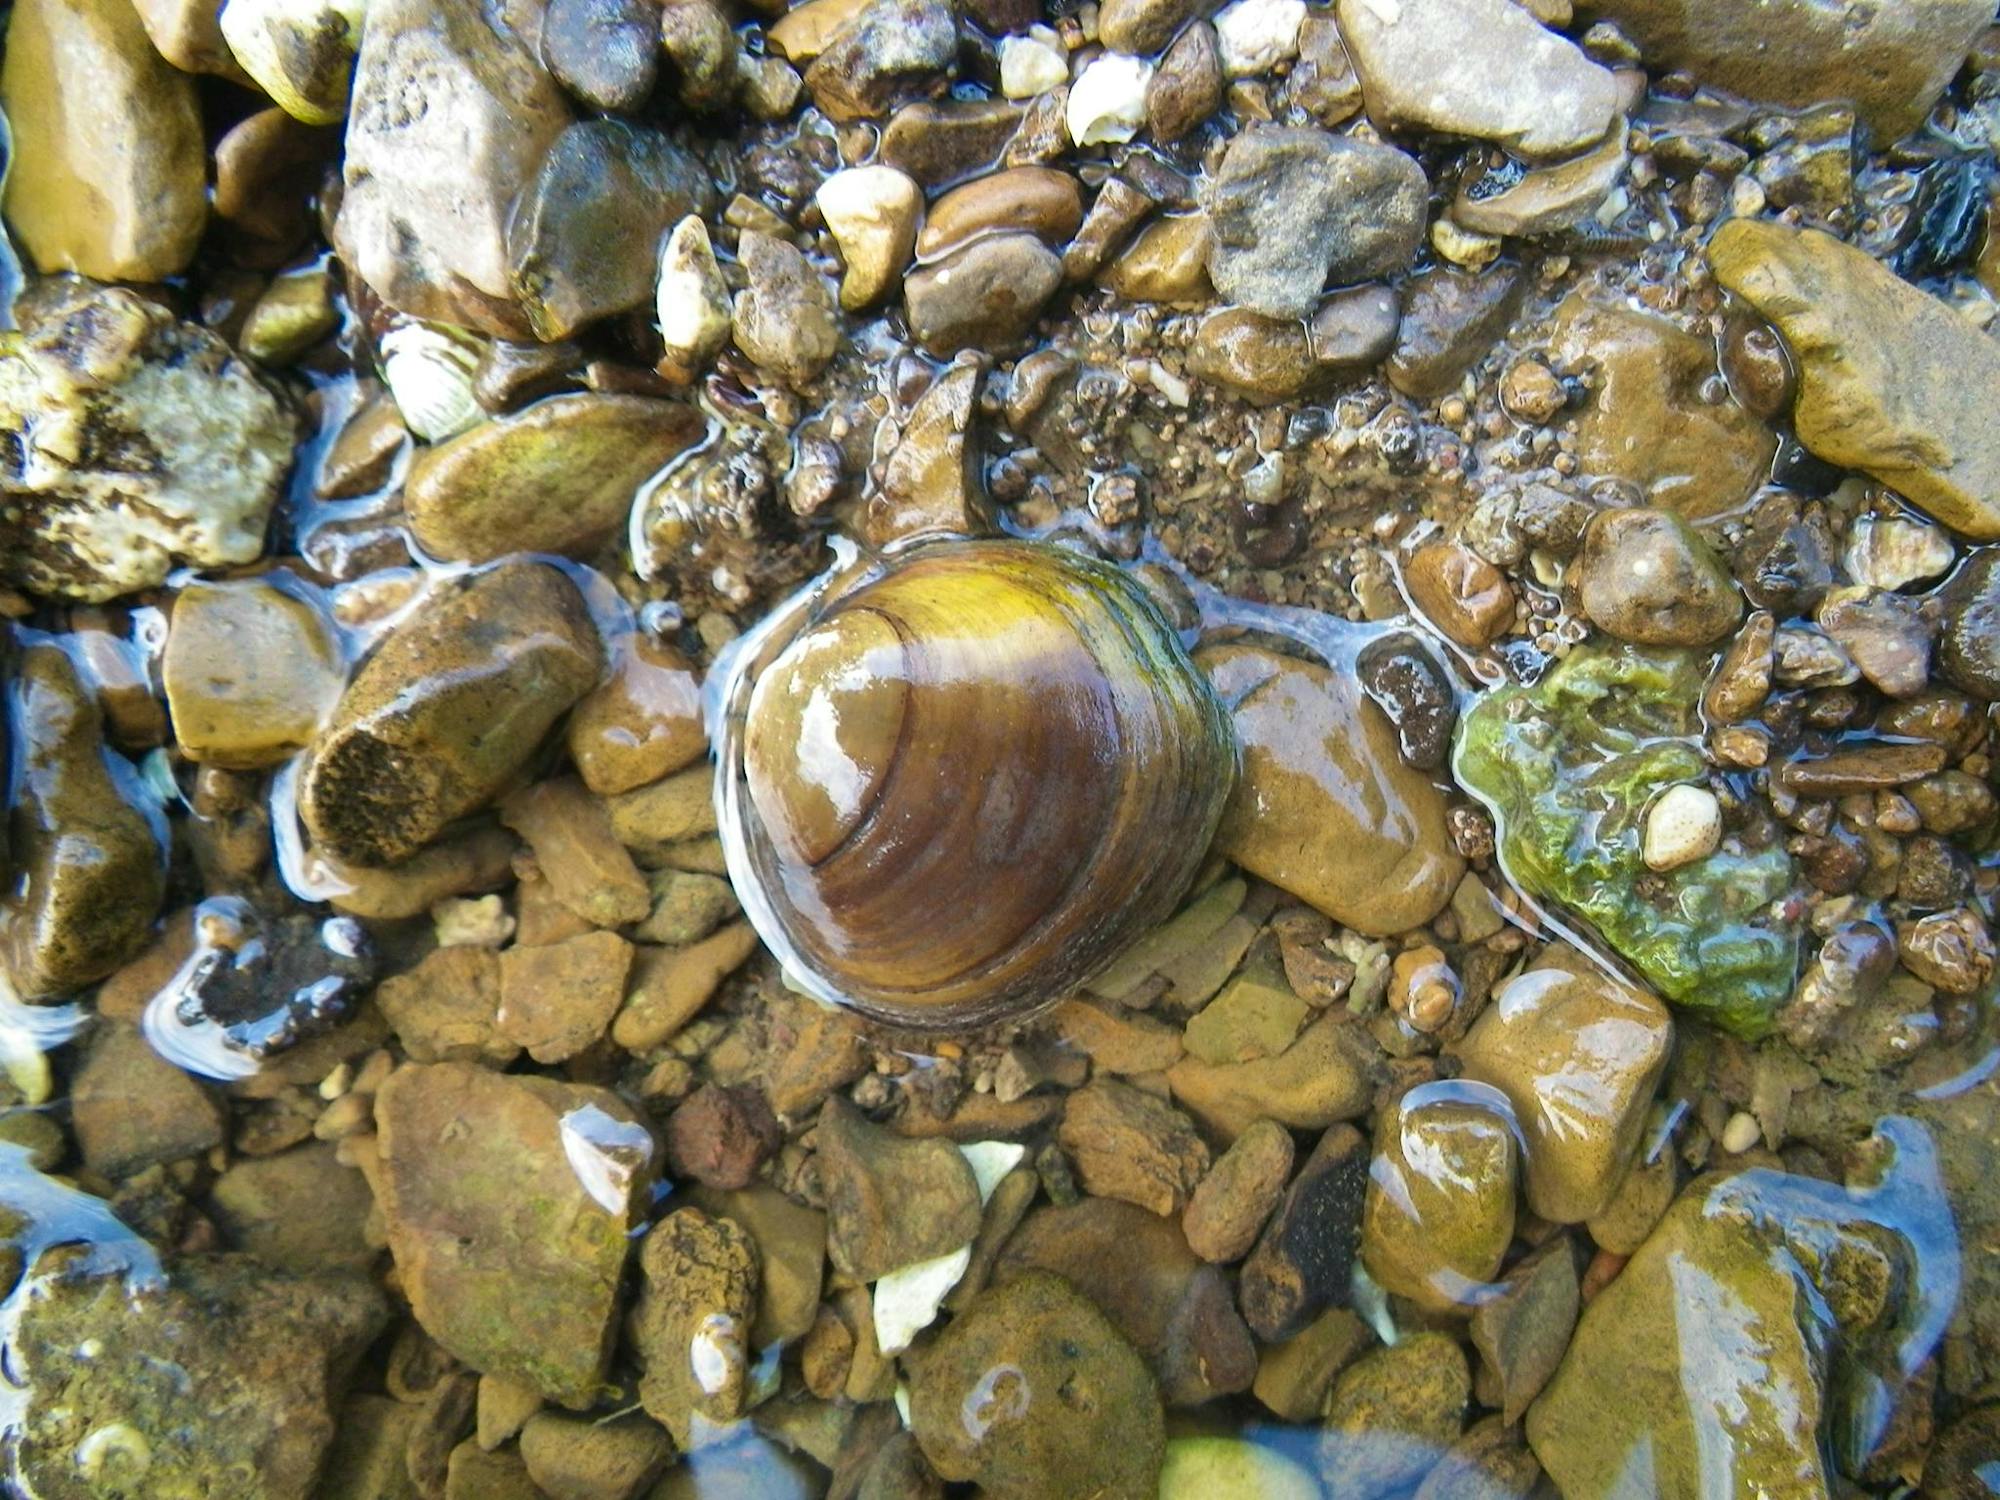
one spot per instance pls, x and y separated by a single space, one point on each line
1765 1328
129 443
223 1378
1439 1214
1569 767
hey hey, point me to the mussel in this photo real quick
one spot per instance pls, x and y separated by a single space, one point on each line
954 786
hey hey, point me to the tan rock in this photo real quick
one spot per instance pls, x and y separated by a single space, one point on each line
791 1250
1129 1145
1578 1056
1325 1076
1229 1206
579 854
669 986
642 722
1440 1208
1293 1377
648 819
1116 1041
890 1203
1167 262
1548 199
186 34
1040 200
251 669
691 1325
1326 808
1890 379
108 173
557 999
447 1008
480 860
872 213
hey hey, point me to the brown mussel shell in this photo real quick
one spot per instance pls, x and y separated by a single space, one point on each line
962 785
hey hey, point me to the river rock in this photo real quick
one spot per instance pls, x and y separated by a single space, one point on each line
641 723
88 866
1969 643
1166 262
1326 1075
1032 1393
606 52
1229 1206
1391 1415
944 142
188 35
556 999
509 1202
1264 359
1304 1261
584 241
251 669
872 214
1578 1056
605 1458
222 1377
1315 753
1651 418
1138 1270
890 1202
1295 207
1040 200
578 851
1126 1144
1440 1208
691 1324
140 444
132 1109
1890 61
447 1008
108 172
892 52
1450 319
429 191
791 1251
784 319
1222 1468
559 477
299 1211
1186 88
1484 68
1547 199
1887 374
446 711
1647 576
1143 27
983 295
1522 1330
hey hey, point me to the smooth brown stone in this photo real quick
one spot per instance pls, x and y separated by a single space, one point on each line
1864 768
1040 200
642 722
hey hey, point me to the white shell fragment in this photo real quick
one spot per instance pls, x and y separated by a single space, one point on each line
1032 64
1254 36
1107 103
300 52
429 373
1684 825
908 1298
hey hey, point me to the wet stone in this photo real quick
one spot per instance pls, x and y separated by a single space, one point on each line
1460 592
138 443
1040 200
784 319
872 213
984 295
584 240
1326 1075
791 1250
606 52
578 851
1030 1392
1186 88
720 1136
250 670
559 477
89 872
1439 1213
1969 643
691 1323
573 1458
1647 576
1391 1414
1355 328
939 144
446 710
1884 635
1228 1207
1294 208
641 723
1523 1332
893 51
1304 1260
1294 1377
1450 319
482 1199
132 1109
1166 262
686 907
1264 359
1128 1145
300 1211
1406 683
423 220
107 174
222 1376
1548 199
890 1202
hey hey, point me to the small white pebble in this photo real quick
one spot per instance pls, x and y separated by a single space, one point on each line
1746 197
1741 1133
481 922
1685 824
1462 246
1108 100
1032 64
338 1082
1254 36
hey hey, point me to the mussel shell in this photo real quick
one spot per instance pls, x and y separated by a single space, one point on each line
953 791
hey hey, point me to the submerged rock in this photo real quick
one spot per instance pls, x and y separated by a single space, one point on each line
251 669
1647 576
1440 1208
447 710
1891 61
1391 1415
1031 1393
1438 66
890 1202
429 190
134 443
893 51
108 171
1768 1325
1326 808
1570 767
509 1203
691 1324
222 1377
89 870
1969 644
1891 380
1577 1056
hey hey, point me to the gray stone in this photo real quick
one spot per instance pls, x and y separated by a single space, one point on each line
985 294
606 52
894 51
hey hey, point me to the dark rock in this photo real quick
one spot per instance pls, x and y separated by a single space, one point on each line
132 1109
1264 359
1305 1259
1524 1331
1186 88
1355 328
1407 683
894 51
942 143
984 295
1968 655
707 57
1142 27
1450 319
720 1136
890 1202
1293 208
606 52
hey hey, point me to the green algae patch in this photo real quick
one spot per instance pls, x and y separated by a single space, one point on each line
1569 767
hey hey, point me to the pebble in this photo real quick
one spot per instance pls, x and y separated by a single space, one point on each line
1227 1209
1294 1377
1039 200
446 710
429 193
1439 1213
1327 1075
1888 374
941 143
1547 200
1646 576
891 52
578 852
557 999
872 213
1264 359
1390 1414
1403 680
88 525
890 1202
1891 551
691 1323
108 170
720 1136
1187 86
691 302
1522 1327
703 53
1255 36
1107 103
1885 636
1684 824
250 671
300 55
1968 653
1166 262
1460 593
669 986
132 1109
1450 319
1305 1257
1219 1468
1529 390
1143 27
593 1459
188 35
784 318
984 295
1294 207
1128 1145
446 1008
791 1252
1432 66
642 722
1032 64
1354 328
606 52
